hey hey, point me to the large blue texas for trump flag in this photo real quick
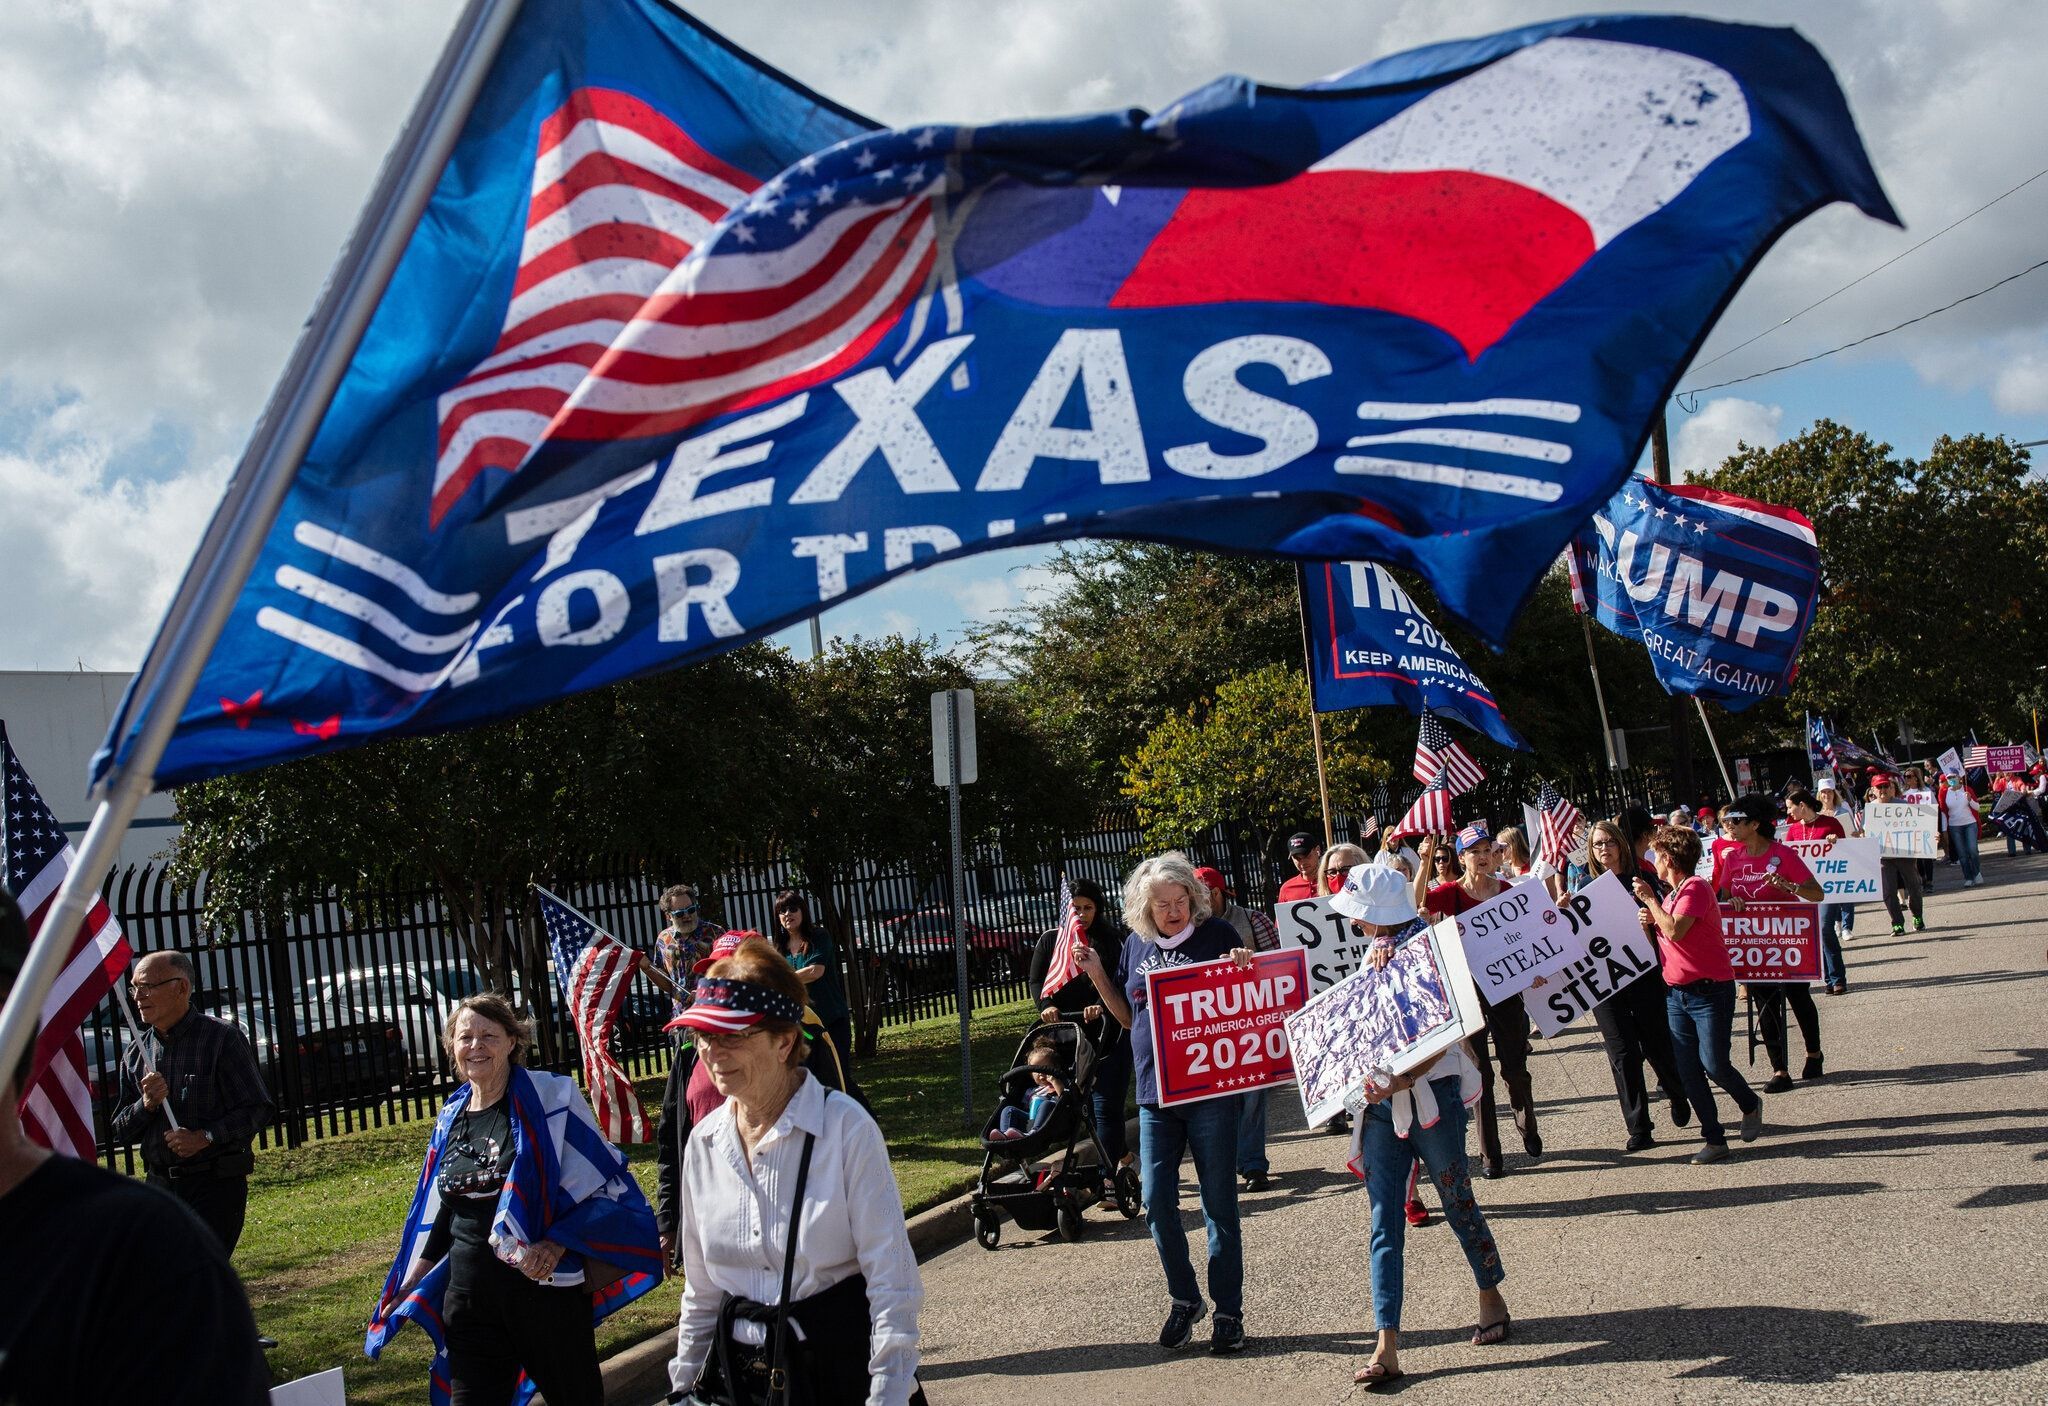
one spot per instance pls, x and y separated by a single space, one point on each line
1720 589
682 353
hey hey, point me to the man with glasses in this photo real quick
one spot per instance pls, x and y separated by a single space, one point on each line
192 1095
681 943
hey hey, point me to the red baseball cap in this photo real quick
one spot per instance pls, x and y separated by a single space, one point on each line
1212 878
724 946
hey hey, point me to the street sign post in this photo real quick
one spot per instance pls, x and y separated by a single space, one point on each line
953 766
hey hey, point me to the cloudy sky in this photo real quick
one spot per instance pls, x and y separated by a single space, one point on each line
176 176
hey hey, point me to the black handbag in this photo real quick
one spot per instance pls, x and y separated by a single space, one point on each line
736 1374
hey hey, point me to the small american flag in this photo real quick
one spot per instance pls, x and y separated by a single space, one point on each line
56 1102
1976 758
1435 752
1066 948
1431 813
595 969
1561 825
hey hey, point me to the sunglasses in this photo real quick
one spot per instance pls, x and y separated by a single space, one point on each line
680 912
1338 871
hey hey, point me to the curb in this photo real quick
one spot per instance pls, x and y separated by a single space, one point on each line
638 1375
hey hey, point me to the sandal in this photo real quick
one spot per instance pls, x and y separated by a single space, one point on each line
1376 1373
1499 1331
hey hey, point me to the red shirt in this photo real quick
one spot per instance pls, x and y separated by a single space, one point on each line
1825 827
1449 900
1701 955
1299 887
1746 876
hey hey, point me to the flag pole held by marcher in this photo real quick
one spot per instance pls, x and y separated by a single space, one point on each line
199 612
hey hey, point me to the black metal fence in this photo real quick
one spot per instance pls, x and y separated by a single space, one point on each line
344 996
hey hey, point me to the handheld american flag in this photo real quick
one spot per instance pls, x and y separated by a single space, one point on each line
1561 822
56 1101
594 970
1431 813
1066 948
1436 751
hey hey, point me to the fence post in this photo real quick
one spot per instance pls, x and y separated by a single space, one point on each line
284 1021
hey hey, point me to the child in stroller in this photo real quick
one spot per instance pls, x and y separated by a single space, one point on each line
1043 1113
1015 1120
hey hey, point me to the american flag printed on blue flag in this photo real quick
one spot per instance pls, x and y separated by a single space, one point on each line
1437 752
681 352
55 1103
595 971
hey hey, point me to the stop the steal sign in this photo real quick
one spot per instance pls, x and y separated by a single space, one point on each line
1515 937
1218 1028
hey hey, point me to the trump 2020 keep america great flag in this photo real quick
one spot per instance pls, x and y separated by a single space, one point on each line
681 352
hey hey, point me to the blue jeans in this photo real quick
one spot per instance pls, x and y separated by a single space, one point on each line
1962 843
1251 1133
1701 1016
1208 1130
1107 1103
1833 922
1388 1160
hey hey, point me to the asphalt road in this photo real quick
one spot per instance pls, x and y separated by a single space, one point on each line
1886 1239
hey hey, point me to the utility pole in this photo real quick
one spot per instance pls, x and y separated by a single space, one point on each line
1682 779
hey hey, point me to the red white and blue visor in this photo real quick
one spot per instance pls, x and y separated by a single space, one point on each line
1476 833
725 1004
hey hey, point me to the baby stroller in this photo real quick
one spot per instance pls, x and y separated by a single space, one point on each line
1078 1172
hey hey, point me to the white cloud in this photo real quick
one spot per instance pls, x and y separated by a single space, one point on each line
1702 441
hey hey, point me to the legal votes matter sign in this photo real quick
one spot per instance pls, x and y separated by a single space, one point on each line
1218 1028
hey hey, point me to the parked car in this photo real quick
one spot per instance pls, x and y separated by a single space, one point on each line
914 952
413 998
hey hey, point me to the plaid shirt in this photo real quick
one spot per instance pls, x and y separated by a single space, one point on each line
1257 930
215 1088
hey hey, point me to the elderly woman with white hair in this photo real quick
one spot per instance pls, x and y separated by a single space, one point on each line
1167 910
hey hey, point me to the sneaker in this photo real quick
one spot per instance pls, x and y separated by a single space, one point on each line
1753 1122
1780 1083
1898 929
1919 925
1256 1181
1180 1325
1710 1152
1417 1213
1227 1336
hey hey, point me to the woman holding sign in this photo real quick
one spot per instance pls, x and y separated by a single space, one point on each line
1507 1023
1701 979
1900 874
1811 822
1634 1026
1757 869
1167 910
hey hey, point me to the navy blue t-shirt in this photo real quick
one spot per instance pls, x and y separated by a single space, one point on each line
1213 938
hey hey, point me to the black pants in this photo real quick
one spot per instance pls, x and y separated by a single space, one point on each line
1635 1026
1506 1037
498 1321
1771 1001
221 1202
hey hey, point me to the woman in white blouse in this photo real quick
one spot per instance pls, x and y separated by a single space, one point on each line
853 1290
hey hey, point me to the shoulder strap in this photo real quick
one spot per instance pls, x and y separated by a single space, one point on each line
778 1378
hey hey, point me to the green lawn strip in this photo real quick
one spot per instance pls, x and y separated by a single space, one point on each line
324 1218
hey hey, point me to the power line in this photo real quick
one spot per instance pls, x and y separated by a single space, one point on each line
1681 396
1880 268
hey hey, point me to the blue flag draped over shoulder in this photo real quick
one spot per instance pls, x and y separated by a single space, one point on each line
1371 646
1719 589
681 353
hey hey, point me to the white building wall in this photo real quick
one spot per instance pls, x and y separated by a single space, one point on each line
56 719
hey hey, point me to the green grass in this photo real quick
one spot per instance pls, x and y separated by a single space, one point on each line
324 1218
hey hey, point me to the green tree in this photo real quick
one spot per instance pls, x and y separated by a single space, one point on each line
1248 754
1932 572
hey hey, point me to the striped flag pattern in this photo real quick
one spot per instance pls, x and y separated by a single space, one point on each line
1976 757
626 318
56 1101
1066 948
1436 752
1561 823
594 970
1431 813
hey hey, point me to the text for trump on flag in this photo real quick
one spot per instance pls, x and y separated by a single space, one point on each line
682 352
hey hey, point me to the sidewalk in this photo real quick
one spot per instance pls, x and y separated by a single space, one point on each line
1885 1240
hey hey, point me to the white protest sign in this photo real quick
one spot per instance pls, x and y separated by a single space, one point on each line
320 1389
1847 869
1385 1021
1904 831
1515 937
1324 936
1603 917
1950 763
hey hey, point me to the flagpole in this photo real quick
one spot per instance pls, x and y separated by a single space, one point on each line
1599 697
227 554
1726 780
1315 724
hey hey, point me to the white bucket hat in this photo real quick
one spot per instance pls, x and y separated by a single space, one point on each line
1375 895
